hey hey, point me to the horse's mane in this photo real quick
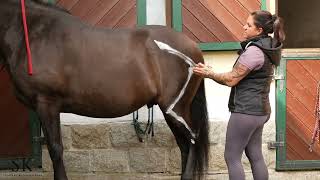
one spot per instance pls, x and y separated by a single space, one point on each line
50 5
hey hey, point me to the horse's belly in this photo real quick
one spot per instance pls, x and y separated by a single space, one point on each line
106 105
101 112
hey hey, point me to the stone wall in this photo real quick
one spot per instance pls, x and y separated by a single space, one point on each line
112 150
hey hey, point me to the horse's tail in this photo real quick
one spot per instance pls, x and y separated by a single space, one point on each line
199 117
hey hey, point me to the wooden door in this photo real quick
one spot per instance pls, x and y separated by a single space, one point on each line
216 20
15 131
303 77
296 100
214 24
106 13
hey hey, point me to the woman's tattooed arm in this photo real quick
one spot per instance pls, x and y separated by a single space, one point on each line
231 78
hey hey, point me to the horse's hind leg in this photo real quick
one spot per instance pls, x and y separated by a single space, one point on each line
50 120
183 139
187 120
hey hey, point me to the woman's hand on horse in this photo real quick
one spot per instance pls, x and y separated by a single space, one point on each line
202 70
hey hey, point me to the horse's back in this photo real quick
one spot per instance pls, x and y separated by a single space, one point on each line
176 40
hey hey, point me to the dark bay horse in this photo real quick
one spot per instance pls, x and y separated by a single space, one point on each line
101 72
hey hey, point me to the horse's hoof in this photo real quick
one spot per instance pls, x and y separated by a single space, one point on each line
186 178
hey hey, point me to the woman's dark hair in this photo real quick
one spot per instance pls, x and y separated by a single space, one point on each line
269 24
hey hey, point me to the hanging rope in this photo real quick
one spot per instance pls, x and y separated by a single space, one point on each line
26 36
315 134
149 129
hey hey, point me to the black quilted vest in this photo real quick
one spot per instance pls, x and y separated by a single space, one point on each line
251 94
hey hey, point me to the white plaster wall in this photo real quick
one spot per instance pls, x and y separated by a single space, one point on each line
272 6
218 95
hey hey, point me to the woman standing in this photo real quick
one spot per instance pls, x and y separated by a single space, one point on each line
249 104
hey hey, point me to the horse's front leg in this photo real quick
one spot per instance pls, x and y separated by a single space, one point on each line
49 116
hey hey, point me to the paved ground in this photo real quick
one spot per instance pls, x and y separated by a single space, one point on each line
49 176
8 175
38 175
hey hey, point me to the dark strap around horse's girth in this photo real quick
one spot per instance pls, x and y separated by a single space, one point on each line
137 125
316 130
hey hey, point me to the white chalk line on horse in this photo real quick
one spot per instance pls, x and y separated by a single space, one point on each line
191 63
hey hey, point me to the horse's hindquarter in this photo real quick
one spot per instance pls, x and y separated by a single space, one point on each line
175 70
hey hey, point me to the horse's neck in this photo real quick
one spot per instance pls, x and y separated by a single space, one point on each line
10 21
11 27
11 30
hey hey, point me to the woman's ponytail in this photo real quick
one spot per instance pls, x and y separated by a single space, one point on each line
279 35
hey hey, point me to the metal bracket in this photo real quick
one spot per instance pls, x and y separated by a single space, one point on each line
278 77
275 144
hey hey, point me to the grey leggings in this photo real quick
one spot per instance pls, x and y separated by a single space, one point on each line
244 132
